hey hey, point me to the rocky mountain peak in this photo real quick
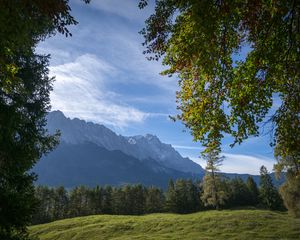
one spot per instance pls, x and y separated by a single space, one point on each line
74 131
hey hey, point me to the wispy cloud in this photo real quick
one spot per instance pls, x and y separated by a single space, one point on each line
58 56
245 163
126 52
239 163
118 43
188 147
80 91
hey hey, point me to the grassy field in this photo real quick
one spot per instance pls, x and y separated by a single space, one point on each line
234 224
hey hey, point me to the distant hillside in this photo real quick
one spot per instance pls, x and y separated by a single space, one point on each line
256 178
226 224
87 164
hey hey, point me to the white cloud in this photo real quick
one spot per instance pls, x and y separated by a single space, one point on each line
245 163
80 91
188 147
126 52
158 114
118 43
58 56
240 163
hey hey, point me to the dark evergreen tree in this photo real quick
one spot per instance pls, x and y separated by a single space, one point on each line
44 207
24 103
184 196
79 202
61 203
107 200
181 196
171 202
154 200
240 194
119 204
138 198
254 192
193 197
97 200
269 196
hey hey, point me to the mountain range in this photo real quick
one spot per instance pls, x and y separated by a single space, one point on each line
92 154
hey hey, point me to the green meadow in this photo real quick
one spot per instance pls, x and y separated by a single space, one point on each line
226 224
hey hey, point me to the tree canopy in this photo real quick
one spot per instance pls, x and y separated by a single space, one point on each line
238 66
24 101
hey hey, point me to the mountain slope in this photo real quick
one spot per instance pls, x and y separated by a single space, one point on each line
88 164
92 154
75 131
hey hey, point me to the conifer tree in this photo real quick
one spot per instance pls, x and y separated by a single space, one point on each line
154 200
24 102
213 190
171 201
181 194
119 201
254 192
240 194
61 202
97 199
268 194
193 198
45 202
107 200
139 198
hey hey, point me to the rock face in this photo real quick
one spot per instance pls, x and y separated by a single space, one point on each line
146 147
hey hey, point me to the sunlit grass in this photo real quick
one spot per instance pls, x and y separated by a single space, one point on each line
229 224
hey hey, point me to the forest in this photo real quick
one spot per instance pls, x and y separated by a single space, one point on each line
182 196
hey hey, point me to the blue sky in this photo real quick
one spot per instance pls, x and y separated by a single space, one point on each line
102 76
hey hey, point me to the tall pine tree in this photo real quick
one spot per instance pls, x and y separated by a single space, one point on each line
268 194
171 200
254 192
213 191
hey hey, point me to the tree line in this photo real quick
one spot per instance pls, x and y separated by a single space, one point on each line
182 196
